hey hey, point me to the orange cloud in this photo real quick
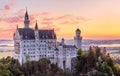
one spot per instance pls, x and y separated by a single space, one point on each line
69 22
45 13
6 33
51 27
47 20
47 23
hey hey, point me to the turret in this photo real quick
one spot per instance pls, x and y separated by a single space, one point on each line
16 26
78 38
36 26
63 41
78 32
36 31
26 20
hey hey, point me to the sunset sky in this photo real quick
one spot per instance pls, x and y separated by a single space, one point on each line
97 19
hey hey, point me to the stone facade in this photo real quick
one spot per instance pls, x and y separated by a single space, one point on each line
34 44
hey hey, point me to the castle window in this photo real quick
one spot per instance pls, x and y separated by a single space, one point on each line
46 36
40 45
42 36
33 45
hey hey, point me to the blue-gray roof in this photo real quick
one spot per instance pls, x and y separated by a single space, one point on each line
69 46
27 33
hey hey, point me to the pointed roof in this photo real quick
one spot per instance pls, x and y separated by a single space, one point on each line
17 26
26 15
36 26
78 30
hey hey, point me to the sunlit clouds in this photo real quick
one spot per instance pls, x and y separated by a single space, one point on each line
96 19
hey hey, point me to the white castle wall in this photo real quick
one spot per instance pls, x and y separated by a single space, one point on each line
35 49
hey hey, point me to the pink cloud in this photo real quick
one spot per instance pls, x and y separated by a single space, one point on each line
17 18
64 16
6 33
48 27
69 22
20 12
12 19
57 29
9 6
47 23
82 18
72 17
32 19
7 29
43 18
45 13
48 19
51 27
64 19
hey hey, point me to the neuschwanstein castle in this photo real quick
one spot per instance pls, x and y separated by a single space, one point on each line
34 44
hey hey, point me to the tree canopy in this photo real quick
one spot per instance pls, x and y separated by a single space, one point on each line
90 63
95 63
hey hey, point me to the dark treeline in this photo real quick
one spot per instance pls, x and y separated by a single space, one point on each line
43 67
91 63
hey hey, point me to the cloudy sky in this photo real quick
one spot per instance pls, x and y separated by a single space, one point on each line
97 19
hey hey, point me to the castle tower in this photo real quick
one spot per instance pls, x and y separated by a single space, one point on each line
63 41
78 38
36 31
26 20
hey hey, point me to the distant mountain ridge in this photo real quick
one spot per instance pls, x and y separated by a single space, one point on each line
84 41
90 41
9 44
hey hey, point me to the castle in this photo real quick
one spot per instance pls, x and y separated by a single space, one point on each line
34 44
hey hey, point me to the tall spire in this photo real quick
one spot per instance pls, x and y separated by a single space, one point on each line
26 20
36 26
26 15
17 26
